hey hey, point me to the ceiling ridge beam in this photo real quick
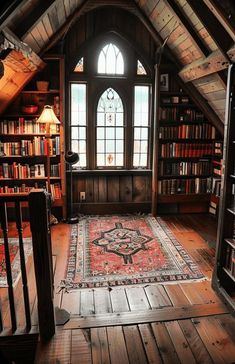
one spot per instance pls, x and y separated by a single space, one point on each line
195 38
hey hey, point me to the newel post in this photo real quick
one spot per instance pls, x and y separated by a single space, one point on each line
39 207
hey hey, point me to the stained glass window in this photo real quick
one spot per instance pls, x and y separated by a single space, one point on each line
141 126
79 66
140 69
110 130
110 60
78 122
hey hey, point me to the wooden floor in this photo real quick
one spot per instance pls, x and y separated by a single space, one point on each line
172 323
152 323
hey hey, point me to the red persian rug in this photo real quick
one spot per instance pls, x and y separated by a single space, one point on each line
120 250
14 257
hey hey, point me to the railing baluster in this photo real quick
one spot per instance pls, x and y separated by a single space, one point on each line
23 266
4 226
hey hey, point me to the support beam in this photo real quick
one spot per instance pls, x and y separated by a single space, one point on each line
195 38
30 60
212 25
8 11
201 68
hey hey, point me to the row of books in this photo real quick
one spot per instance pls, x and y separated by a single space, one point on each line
169 150
229 263
187 186
19 171
201 131
218 148
21 126
55 189
217 167
216 186
24 126
37 146
180 115
202 167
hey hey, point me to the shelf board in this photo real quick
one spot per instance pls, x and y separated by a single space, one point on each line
231 210
184 158
26 156
40 92
191 176
174 198
23 179
230 242
229 273
188 140
20 135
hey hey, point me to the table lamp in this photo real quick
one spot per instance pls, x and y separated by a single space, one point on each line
48 118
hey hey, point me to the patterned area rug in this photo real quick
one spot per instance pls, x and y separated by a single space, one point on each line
14 257
121 250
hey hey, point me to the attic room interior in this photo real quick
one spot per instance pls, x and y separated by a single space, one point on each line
117 180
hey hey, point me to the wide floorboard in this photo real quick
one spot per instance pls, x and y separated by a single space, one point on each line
149 323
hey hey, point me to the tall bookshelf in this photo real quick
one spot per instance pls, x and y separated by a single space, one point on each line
224 272
23 142
186 144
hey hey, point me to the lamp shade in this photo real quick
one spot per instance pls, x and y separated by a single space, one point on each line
48 116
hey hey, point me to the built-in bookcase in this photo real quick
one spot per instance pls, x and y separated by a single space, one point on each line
186 148
24 144
224 272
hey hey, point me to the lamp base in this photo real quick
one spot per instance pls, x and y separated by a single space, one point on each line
72 220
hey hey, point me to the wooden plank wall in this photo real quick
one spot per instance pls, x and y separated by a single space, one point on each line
116 189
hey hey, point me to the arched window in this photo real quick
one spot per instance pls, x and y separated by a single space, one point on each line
110 60
110 130
110 106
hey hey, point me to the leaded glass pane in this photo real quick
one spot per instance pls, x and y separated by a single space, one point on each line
100 133
80 65
78 118
110 60
110 109
141 123
140 69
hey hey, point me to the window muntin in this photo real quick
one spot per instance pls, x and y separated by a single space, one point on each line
78 130
141 126
110 60
110 130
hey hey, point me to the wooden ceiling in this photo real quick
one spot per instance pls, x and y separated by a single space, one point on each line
200 37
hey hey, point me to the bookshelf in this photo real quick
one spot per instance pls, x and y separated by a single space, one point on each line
186 146
217 164
24 144
224 273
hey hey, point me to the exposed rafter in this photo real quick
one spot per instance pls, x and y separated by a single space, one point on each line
212 25
195 38
34 17
8 10
30 60
217 10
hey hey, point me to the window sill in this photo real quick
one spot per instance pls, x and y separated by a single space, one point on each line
113 172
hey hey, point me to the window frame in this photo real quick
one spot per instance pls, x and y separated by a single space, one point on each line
124 85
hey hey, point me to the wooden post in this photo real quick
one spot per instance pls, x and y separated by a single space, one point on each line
155 138
42 253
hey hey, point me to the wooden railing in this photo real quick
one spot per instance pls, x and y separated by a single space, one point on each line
38 202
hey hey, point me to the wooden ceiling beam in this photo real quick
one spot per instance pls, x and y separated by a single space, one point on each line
35 16
29 59
195 38
218 11
212 25
195 95
215 62
9 10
